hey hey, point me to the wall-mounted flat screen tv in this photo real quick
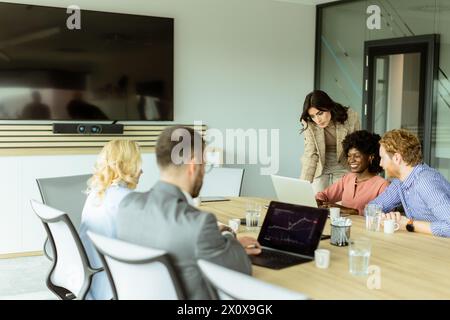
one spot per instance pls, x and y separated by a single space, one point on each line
114 67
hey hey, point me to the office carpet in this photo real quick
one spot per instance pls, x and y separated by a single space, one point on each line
24 279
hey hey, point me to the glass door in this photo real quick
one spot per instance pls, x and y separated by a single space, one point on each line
398 92
396 96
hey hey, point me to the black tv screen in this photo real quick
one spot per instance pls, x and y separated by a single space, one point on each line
115 67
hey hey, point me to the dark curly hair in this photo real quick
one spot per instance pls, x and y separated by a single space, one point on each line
321 101
366 143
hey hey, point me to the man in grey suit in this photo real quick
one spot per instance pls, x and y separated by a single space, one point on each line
165 218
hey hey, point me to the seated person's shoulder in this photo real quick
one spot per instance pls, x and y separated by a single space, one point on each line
116 192
347 179
133 198
394 182
428 173
381 180
199 222
429 177
349 176
195 215
380 184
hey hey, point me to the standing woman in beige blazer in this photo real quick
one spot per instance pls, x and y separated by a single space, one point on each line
325 125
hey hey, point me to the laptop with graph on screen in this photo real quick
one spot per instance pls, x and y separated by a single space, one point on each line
289 235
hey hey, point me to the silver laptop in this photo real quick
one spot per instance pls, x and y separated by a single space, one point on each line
295 191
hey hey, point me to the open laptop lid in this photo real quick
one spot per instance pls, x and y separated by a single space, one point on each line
292 228
292 190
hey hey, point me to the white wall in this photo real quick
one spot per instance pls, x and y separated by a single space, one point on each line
20 229
238 64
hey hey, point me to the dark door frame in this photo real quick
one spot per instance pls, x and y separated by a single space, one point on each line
428 46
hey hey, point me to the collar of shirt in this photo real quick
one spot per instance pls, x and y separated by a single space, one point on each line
188 198
120 183
412 176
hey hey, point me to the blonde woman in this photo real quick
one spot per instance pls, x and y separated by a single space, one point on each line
116 174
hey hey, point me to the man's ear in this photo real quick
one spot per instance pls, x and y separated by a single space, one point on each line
397 158
191 167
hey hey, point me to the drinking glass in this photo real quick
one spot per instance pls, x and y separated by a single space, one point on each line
359 254
252 215
373 213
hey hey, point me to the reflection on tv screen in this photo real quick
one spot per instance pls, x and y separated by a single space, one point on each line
116 67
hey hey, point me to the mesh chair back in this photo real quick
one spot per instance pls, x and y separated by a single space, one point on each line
136 272
65 194
228 284
70 270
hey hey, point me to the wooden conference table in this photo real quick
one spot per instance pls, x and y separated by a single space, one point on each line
412 265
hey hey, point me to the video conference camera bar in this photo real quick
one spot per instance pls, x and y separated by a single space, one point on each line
87 128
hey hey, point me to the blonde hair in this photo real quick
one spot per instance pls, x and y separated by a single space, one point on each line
405 143
119 162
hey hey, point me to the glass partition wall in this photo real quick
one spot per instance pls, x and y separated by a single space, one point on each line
343 30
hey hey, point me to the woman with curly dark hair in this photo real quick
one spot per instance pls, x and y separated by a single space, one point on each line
362 184
325 124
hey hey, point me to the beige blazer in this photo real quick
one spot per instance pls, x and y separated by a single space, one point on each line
313 160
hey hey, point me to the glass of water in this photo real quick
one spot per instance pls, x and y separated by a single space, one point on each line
252 215
373 213
359 254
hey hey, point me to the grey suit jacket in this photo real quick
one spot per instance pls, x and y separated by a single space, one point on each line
162 219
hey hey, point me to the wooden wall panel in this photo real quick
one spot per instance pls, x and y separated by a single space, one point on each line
37 139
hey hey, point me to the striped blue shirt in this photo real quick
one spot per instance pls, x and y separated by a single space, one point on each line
425 196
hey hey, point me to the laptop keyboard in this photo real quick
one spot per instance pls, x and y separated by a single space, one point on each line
277 260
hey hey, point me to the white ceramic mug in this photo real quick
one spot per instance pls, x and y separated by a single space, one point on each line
322 258
335 213
234 224
390 226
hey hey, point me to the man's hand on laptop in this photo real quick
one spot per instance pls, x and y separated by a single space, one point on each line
251 245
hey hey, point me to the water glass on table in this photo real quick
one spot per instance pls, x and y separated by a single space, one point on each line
373 213
359 254
252 215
